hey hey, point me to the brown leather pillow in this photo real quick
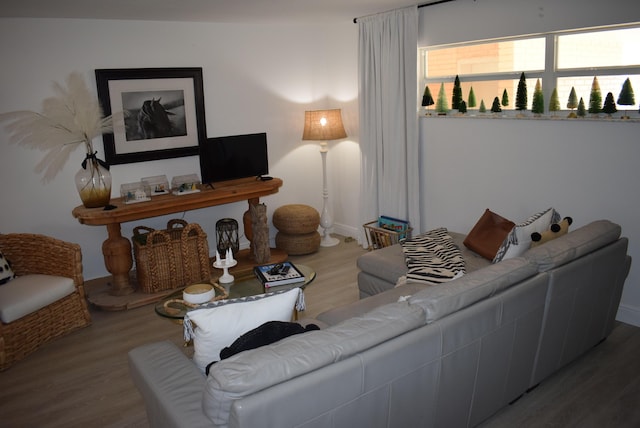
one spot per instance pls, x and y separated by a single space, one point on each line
488 234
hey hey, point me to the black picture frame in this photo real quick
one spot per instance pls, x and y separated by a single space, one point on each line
151 129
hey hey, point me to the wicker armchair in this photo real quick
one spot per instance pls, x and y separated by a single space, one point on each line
39 254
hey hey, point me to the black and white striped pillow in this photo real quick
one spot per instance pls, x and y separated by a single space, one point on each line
433 258
519 239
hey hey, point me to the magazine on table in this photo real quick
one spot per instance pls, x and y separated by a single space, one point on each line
276 274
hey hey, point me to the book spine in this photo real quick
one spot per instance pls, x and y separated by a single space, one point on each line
259 275
394 224
283 282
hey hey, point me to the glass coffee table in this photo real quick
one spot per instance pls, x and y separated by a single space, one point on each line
174 307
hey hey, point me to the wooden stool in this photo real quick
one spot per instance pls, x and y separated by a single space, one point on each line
297 226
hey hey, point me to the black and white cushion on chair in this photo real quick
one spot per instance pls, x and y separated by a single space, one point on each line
6 274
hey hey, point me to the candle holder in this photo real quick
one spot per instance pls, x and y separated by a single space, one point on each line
225 264
227 233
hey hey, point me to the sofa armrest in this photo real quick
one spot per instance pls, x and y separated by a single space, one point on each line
170 384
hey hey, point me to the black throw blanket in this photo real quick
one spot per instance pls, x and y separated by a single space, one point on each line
267 333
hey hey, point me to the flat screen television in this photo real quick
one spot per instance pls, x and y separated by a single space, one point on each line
232 157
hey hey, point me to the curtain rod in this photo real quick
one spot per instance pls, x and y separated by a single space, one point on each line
355 20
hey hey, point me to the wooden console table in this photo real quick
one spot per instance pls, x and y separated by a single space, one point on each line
117 249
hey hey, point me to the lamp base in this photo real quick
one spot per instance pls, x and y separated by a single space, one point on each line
329 241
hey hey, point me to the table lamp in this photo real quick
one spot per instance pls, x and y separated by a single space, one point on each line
324 125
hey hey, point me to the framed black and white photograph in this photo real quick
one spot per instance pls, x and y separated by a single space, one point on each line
162 113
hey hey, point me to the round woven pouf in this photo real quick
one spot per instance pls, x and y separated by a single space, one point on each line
297 226
297 245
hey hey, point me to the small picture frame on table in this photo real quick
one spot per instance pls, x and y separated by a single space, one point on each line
158 184
185 184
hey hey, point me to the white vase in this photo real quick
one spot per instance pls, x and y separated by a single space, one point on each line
93 181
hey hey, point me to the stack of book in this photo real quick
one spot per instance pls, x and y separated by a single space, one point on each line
277 274
397 225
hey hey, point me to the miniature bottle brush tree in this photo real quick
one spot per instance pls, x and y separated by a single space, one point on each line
596 106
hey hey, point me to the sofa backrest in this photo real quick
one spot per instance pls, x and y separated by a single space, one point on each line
294 356
454 372
442 300
488 353
582 302
573 245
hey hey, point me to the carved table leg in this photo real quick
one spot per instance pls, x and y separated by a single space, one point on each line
246 222
118 261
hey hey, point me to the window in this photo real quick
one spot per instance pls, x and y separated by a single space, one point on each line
563 60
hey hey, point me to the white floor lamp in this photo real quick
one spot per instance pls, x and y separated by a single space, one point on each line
324 125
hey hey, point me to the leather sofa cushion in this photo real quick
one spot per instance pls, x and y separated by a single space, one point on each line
386 263
362 306
257 369
573 245
442 300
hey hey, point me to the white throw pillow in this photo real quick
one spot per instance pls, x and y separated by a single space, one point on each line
519 239
217 327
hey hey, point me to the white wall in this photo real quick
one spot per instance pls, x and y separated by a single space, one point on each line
256 78
586 170
468 20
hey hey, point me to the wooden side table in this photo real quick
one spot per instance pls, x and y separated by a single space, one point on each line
116 249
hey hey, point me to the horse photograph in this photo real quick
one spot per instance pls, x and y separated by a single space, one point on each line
154 114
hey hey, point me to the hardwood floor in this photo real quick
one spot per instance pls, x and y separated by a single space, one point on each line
600 389
82 380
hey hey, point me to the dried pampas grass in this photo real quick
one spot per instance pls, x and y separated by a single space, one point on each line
71 118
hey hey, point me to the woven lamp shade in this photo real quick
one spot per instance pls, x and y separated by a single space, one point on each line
323 125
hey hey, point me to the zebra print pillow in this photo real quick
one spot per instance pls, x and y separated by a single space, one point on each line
433 257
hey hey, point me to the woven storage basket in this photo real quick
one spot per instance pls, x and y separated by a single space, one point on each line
171 258
378 237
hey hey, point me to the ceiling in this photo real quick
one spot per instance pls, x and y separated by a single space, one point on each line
231 11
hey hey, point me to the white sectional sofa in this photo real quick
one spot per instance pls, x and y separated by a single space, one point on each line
409 356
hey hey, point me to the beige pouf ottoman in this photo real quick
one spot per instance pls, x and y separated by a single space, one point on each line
297 226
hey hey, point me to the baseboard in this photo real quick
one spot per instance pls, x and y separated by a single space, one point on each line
348 231
339 229
628 315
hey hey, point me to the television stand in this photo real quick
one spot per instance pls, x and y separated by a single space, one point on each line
116 249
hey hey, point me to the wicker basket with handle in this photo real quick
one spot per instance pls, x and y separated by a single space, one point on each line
171 258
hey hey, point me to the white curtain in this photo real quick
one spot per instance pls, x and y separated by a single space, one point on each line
387 55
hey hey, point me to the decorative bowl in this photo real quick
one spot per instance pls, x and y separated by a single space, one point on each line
198 293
